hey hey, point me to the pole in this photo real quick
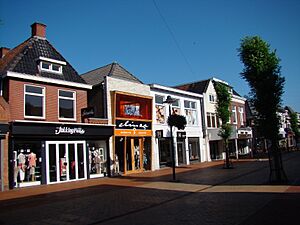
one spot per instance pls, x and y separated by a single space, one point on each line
172 148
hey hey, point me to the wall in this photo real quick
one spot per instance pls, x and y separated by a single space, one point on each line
16 100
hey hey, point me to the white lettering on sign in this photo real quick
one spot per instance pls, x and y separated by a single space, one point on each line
132 125
68 130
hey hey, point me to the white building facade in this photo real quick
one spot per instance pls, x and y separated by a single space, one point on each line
189 145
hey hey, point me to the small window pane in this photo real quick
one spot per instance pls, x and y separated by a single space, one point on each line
193 105
159 99
67 94
186 104
55 67
33 89
46 65
33 105
176 103
66 108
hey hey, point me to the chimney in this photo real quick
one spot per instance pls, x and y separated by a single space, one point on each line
38 30
3 51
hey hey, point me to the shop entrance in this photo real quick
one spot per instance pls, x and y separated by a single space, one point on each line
66 161
181 152
133 154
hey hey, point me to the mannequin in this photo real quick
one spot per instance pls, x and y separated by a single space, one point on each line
32 165
22 166
117 168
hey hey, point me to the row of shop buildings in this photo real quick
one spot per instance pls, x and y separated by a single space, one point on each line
57 126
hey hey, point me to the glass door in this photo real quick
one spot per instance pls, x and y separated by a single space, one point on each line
134 154
66 161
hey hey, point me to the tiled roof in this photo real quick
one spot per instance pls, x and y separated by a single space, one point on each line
23 59
196 87
96 76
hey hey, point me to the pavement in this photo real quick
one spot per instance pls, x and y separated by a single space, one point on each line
204 193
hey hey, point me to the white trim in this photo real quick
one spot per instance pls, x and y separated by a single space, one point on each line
43 95
52 60
175 90
67 98
47 80
50 70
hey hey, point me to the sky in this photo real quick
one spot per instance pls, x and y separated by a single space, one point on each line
167 42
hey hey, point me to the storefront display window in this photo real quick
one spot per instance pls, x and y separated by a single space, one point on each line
27 163
190 112
194 149
97 158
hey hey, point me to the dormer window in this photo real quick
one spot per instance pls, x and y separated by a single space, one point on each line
51 65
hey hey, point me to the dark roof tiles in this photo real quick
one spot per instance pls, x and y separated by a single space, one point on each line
24 59
95 77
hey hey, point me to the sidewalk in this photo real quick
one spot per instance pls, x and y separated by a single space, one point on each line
150 179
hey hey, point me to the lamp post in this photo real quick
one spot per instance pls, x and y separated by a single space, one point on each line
169 101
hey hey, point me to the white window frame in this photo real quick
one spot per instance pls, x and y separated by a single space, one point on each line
213 117
160 104
35 94
68 98
241 111
234 113
189 107
212 98
176 106
50 70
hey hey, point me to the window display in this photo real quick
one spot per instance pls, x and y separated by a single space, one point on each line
27 164
97 158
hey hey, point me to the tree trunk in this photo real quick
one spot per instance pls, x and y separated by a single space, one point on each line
227 162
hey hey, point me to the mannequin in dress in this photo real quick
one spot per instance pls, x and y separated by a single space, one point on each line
32 165
21 165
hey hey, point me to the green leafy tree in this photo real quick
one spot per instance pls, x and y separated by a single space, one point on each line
294 125
223 113
262 72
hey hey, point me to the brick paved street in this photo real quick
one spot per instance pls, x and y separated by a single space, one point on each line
205 194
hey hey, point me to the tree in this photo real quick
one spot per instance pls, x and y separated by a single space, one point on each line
178 121
262 72
223 113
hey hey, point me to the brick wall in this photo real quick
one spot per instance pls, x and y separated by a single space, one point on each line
16 100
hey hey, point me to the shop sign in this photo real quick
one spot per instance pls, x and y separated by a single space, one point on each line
69 130
132 124
87 112
181 135
133 133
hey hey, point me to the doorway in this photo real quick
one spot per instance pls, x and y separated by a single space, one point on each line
130 152
181 152
66 161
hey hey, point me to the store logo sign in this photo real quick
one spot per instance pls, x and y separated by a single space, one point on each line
69 130
135 125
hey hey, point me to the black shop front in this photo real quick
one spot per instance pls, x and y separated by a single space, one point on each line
47 153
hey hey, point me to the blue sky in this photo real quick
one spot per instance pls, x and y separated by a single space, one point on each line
207 33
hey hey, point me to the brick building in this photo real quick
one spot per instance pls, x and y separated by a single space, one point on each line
50 140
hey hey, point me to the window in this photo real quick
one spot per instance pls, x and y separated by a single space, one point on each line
66 105
212 120
34 101
160 109
50 67
234 114
241 111
190 112
176 107
212 98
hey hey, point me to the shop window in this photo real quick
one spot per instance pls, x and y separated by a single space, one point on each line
133 107
190 112
27 163
97 158
67 103
34 101
160 109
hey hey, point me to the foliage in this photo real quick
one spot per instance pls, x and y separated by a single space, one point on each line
262 72
178 121
294 124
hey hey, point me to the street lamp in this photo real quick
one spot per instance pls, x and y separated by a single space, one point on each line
169 101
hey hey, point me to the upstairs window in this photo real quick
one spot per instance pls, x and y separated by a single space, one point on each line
160 109
234 115
34 101
212 98
51 65
66 104
176 107
241 111
190 112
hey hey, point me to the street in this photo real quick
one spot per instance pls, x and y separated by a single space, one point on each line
202 195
